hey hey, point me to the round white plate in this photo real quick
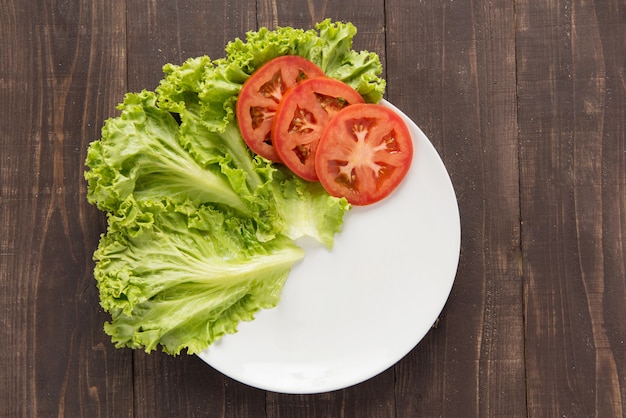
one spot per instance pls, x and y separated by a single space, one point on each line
350 313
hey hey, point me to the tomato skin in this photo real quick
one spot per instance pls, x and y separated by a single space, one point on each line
301 118
364 153
260 95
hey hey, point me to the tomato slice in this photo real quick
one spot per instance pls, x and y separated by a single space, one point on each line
260 95
301 118
364 153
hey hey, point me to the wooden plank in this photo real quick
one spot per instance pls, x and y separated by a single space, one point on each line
367 15
450 67
162 32
169 386
61 71
573 164
375 397
173 31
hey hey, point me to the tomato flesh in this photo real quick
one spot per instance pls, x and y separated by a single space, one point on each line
364 153
261 94
301 118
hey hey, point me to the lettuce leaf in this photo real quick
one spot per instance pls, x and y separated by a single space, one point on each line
338 60
182 276
201 232
217 83
305 208
142 153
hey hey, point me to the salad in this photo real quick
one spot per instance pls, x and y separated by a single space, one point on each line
207 184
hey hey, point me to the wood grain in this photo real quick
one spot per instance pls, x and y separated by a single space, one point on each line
572 153
454 74
55 358
162 32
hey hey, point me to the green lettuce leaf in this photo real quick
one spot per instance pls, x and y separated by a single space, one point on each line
306 209
183 276
217 83
141 154
201 232
338 60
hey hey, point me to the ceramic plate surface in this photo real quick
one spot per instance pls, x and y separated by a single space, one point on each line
350 313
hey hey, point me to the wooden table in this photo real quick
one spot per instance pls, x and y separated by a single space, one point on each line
525 102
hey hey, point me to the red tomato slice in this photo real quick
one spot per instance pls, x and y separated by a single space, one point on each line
301 118
364 153
260 95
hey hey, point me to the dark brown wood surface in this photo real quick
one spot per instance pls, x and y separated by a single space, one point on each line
525 102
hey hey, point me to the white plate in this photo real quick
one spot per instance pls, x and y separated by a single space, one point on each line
348 314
